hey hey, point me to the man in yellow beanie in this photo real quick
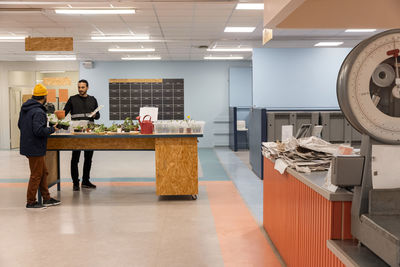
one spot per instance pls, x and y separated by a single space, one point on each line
34 132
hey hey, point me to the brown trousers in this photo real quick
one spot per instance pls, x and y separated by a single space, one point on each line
38 179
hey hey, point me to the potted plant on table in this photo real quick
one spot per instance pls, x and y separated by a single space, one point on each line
100 129
63 125
113 128
78 129
127 126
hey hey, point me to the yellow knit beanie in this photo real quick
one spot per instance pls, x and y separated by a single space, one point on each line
40 90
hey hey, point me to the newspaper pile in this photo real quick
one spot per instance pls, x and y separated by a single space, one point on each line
304 155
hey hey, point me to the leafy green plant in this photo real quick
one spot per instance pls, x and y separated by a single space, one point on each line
113 128
100 128
127 126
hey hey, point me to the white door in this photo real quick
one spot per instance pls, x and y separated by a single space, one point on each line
15 107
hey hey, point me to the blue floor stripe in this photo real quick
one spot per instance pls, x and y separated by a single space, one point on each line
113 179
210 164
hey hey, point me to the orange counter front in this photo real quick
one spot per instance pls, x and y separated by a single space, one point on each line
300 216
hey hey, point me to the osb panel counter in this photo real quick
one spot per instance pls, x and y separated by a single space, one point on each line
176 156
300 216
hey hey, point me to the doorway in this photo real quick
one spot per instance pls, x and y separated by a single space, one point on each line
18 96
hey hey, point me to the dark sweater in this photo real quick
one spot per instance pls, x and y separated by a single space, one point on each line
81 107
34 131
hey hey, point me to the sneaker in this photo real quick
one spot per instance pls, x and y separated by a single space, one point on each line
88 184
51 202
76 187
35 205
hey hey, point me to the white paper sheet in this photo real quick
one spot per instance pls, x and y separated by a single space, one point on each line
280 166
153 112
287 132
96 110
384 165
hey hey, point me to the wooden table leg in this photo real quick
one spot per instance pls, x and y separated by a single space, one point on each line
52 163
176 166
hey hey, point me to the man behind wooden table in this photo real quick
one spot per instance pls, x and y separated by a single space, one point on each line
82 107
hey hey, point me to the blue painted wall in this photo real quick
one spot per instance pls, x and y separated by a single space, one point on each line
206 87
296 77
240 87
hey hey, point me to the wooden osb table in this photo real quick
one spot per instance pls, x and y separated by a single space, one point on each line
176 156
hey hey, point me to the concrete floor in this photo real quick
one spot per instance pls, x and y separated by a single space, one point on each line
124 223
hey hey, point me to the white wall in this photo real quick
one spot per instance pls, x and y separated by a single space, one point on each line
5 67
296 77
206 87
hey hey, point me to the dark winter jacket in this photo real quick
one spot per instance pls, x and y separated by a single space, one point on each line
81 107
34 131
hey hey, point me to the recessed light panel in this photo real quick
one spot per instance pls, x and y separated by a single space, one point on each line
122 38
250 6
55 57
94 11
131 50
239 29
233 49
328 44
223 58
360 30
141 58
11 38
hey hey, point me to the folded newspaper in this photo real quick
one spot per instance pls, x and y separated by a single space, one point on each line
304 155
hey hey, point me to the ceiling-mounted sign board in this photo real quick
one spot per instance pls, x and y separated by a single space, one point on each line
328 14
57 81
49 44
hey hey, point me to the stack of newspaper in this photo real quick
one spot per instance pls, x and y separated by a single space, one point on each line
304 155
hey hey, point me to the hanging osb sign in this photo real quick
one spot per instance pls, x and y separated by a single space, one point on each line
56 81
49 44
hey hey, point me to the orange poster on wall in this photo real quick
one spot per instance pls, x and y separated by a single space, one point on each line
63 95
51 96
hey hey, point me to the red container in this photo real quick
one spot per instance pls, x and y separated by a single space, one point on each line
60 114
146 126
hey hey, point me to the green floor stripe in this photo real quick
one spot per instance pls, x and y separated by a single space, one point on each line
211 166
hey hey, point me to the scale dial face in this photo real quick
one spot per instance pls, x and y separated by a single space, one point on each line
371 109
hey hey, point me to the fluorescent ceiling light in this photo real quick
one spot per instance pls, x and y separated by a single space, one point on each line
55 57
12 37
239 29
222 58
52 71
94 11
20 10
250 6
328 44
131 50
30 3
360 30
124 38
141 58
249 49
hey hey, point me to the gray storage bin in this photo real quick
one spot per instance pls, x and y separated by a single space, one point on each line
337 129
275 120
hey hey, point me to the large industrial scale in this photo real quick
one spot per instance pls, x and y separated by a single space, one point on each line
368 90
